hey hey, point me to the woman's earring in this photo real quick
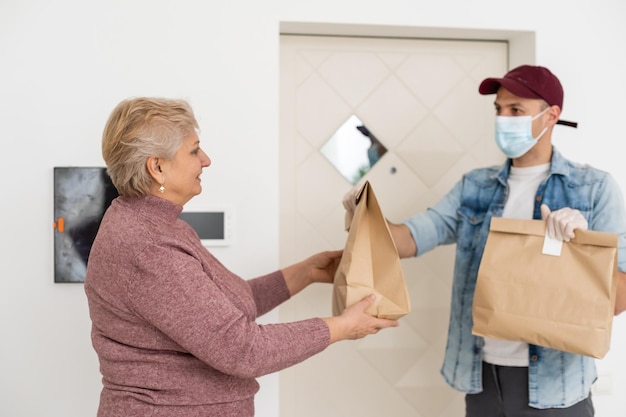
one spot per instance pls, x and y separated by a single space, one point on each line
161 189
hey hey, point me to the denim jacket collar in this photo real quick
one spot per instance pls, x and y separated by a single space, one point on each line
558 166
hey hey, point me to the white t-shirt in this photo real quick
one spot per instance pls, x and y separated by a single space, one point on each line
523 184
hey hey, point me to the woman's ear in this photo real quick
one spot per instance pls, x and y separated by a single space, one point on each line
154 168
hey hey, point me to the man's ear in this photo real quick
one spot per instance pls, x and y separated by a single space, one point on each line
555 113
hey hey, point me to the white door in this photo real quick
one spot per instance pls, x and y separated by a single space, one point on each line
420 99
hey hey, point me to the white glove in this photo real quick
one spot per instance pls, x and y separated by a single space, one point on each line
349 198
561 224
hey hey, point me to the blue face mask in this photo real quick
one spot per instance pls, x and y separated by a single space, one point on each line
514 134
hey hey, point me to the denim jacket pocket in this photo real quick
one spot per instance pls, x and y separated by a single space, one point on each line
471 223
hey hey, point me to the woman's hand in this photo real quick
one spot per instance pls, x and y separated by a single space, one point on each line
320 267
355 323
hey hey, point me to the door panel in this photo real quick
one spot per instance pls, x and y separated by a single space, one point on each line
420 98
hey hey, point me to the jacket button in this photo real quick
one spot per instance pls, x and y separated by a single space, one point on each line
533 358
539 198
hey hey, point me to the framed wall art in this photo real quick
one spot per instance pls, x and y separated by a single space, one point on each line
81 196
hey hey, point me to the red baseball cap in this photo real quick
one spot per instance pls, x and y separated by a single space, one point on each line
529 81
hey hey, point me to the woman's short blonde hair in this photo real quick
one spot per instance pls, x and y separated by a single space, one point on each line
140 128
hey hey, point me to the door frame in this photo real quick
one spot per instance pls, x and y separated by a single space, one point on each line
522 44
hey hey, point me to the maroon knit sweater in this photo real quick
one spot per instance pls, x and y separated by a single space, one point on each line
175 330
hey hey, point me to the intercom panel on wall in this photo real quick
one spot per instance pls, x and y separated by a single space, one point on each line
214 226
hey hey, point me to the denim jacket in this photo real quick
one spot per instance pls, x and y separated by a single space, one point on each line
556 379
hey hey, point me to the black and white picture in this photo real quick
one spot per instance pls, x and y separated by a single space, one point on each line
81 196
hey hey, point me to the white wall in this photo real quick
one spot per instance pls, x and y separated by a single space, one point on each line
65 64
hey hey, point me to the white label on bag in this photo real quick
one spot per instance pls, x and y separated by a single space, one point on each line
552 246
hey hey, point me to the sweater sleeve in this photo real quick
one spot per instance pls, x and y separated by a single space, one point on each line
171 290
269 291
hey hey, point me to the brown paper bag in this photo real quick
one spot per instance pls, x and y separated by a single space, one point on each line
370 263
562 302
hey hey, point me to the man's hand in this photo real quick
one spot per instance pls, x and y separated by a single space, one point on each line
349 198
561 223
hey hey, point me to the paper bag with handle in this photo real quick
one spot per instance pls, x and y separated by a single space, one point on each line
548 293
370 263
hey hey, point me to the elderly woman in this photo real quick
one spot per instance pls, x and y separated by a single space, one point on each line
175 330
